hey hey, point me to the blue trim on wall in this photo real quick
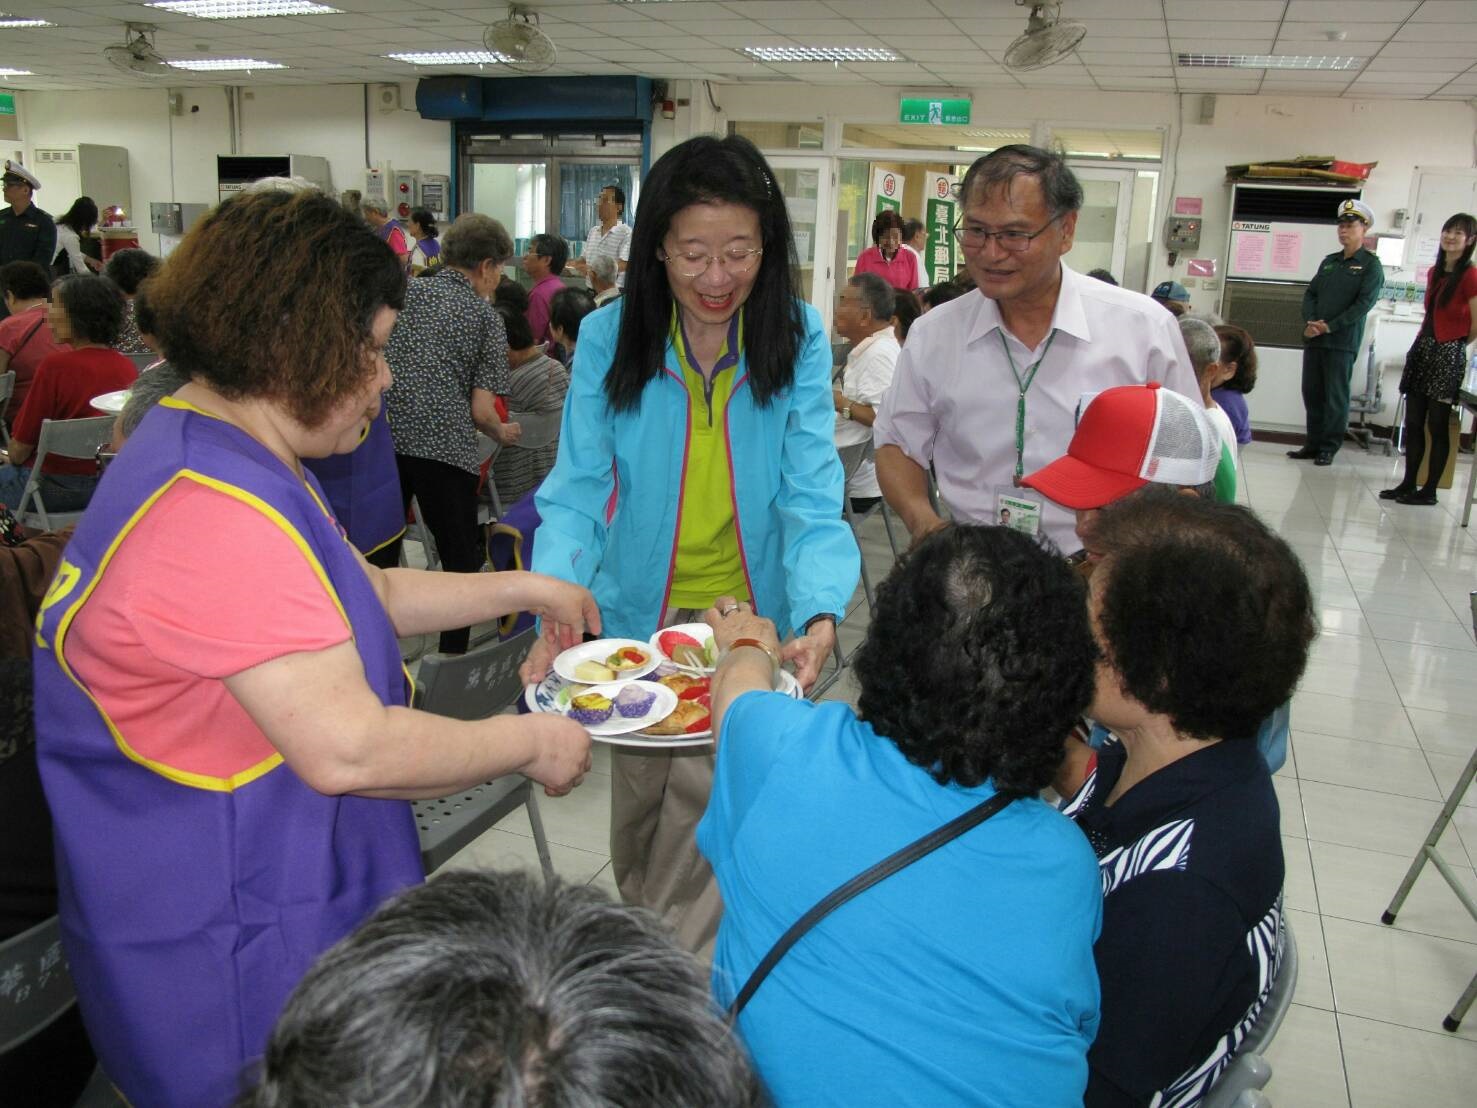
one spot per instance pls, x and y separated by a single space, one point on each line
528 99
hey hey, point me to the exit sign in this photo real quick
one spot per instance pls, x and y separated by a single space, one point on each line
7 103
934 112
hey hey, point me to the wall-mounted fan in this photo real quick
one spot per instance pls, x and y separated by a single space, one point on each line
520 40
1047 39
136 53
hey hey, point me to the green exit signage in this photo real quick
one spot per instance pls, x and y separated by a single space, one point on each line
7 103
937 113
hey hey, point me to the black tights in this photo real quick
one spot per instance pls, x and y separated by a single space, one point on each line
1424 414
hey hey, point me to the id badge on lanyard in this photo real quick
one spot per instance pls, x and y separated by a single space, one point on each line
1016 506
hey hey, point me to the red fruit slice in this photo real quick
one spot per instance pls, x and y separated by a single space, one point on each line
697 725
697 691
670 640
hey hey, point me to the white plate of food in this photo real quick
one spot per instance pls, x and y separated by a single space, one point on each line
606 661
547 695
616 708
111 402
688 646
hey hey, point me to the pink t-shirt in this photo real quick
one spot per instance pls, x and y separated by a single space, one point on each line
204 587
900 273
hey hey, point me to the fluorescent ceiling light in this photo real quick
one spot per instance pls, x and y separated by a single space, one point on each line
10 22
242 9
1266 61
223 65
16 73
449 57
821 54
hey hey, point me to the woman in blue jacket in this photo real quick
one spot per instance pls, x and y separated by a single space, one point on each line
696 460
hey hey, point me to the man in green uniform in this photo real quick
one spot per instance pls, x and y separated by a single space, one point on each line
1338 298
27 234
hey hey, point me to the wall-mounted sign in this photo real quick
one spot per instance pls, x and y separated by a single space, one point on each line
1188 205
939 208
7 103
887 191
937 113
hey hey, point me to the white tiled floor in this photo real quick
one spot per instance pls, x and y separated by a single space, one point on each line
1383 723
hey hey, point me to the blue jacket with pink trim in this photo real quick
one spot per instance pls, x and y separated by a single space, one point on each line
610 504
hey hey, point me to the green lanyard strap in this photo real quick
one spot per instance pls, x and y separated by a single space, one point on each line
1024 384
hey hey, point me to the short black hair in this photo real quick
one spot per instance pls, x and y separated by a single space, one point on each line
423 218
1205 613
552 247
911 227
877 295
128 268
618 194
905 310
1238 346
511 293
979 658
708 170
999 169
567 307
498 989
1103 275
24 280
143 311
942 293
94 307
520 333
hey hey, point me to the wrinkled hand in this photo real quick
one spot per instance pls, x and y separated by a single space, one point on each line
508 434
536 666
567 611
808 653
739 623
561 752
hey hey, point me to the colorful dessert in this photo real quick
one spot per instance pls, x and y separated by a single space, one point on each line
685 650
633 701
590 709
593 673
688 718
627 657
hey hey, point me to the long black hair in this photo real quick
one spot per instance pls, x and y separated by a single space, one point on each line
1452 281
708 170
81 216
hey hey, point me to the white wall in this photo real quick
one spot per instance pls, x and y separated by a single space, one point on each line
173 157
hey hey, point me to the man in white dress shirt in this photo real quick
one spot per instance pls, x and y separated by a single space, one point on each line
864 319
610 236
988 386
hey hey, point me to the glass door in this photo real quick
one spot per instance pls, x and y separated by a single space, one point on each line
806 184
1102 225
516 194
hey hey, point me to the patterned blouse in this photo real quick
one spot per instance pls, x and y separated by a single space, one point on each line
447 342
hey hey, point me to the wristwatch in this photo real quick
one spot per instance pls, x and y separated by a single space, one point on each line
846 410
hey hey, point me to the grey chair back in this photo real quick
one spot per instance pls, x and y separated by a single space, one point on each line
64 438
7 390
39 988
1240 1085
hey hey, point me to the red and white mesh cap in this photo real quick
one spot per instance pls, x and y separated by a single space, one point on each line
1128 437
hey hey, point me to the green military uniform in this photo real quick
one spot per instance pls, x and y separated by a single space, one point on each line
1341 294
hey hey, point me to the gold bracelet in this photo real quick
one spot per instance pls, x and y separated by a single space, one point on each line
774 659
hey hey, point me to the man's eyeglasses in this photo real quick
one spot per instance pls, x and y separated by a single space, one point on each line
696 264
1016 242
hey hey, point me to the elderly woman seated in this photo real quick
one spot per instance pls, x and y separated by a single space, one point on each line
1204 618
967 977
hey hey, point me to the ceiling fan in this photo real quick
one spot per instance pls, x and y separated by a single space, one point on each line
521 42
1047 39
137 54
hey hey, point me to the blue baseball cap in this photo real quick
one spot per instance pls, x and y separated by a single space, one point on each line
1171 290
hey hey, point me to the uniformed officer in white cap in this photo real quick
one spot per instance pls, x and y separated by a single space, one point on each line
1347 284
27 234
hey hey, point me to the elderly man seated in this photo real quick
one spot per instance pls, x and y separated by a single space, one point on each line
601 271
864 311
966 977
484 988
1204 618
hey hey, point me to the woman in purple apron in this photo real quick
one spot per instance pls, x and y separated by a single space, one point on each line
221 721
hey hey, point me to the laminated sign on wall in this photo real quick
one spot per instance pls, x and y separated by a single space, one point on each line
939 213
887 191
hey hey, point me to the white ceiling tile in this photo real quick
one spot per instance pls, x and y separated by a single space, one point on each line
694 12
1424 50
1094 46
1333 12
1220 45
1444 11
1438 32
1251 28
1220 10
1292 30
866 9
833 30
765 10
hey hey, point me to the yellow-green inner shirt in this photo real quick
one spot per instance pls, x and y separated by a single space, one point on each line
708 562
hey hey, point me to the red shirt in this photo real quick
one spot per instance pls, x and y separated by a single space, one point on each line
900 273
63 388
26 353
1452 320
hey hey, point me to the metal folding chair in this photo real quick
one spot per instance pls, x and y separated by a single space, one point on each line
852 458
63 438
1428 853
7 390
475 685
535 429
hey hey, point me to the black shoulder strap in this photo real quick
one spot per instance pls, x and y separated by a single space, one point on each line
860 883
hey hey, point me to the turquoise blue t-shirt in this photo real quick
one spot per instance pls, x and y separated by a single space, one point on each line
965 979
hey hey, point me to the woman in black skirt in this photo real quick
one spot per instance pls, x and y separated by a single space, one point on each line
1436 363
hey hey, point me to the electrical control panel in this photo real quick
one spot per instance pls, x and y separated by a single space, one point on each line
1182 233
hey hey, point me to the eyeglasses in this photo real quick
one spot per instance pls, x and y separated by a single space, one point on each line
695 265
1016 242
